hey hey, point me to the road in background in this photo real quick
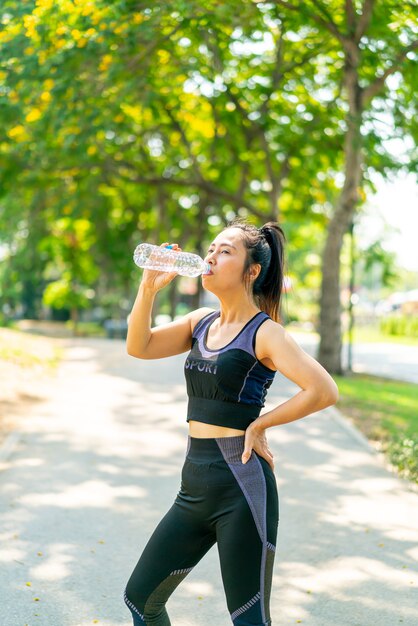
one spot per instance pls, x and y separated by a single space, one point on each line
390 360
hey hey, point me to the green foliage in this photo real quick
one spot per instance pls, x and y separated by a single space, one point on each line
400 325
62 294
87 329
403 454
125 122
375 254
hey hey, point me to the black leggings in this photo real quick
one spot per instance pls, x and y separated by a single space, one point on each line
220 500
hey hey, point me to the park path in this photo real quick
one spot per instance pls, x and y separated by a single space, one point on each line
98 462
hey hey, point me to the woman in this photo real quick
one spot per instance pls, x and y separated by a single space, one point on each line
228 492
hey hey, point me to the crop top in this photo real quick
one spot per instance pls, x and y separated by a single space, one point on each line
227 386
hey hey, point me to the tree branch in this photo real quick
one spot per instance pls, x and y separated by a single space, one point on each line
277 73
246 124
307 57
281 70
185 141
276 191
364 21
350 13
235 199
243 183
374 87
133 63
328 23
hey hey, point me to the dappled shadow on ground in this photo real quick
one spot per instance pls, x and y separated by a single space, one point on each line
99 465
347 543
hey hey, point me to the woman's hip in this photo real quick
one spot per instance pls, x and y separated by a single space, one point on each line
213 462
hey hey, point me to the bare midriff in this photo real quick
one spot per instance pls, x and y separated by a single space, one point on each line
202 431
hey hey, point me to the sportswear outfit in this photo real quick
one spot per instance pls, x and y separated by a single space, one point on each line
221 500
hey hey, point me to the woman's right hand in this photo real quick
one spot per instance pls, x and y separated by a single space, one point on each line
155 280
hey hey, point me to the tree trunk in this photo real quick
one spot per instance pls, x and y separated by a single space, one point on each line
201 233
155 309
173 298
330 346
74 320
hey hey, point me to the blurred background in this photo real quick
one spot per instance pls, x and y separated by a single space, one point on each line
125 122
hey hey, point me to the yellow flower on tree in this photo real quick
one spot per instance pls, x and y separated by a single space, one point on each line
164 57
106 61
34 115
45 4
17 132
137 18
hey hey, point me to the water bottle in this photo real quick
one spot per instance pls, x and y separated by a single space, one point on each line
165 259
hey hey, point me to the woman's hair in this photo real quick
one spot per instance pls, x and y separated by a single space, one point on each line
265 246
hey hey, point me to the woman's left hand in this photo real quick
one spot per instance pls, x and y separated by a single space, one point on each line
255 439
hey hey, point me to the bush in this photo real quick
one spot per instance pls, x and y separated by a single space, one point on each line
403 453
87 329
400 325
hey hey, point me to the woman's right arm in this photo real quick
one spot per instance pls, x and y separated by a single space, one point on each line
145 342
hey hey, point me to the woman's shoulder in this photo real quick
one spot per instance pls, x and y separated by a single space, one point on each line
198 314
268 330
274 339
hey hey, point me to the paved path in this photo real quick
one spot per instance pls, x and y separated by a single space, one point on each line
98 464
390 360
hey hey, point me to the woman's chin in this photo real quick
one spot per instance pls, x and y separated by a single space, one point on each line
208 286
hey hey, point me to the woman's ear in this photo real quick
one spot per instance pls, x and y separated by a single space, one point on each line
255 270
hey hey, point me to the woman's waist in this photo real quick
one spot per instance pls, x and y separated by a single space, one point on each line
202 430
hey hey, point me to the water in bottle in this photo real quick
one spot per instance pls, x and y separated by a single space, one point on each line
165 259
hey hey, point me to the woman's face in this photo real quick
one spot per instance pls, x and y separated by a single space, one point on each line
226 256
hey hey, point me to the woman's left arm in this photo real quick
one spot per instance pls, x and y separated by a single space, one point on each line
318 389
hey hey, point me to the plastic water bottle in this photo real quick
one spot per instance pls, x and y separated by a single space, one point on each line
152 257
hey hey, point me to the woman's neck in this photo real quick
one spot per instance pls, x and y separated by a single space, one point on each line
236 311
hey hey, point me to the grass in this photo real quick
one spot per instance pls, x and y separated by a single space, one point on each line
28 364
87 329
372 334
58 329
385 411
366 334
27 351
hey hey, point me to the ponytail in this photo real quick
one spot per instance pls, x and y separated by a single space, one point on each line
269 287
265 246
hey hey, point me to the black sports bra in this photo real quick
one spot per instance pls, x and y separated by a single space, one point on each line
226 386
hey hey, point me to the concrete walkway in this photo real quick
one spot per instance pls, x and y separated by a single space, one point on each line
98 464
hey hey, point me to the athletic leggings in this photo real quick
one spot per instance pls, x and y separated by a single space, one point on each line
220 500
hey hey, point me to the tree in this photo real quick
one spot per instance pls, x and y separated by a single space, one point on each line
377 41
181 146
162 121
